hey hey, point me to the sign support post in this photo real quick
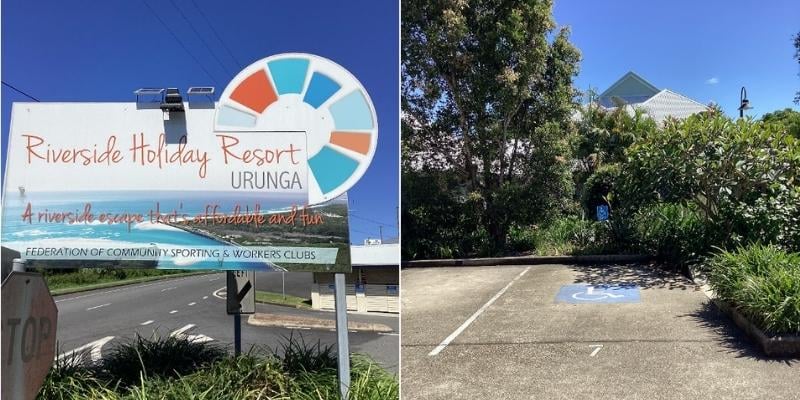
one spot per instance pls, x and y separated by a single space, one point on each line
240 299
342 336
237 333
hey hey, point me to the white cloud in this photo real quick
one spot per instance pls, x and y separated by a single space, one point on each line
712 81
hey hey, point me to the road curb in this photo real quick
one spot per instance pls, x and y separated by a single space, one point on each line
527 260
291 321
777 346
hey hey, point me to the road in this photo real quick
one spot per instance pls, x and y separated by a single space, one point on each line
560 332
188 304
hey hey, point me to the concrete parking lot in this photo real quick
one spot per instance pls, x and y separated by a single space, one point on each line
507 333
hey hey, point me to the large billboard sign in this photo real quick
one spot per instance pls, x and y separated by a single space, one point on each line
257 180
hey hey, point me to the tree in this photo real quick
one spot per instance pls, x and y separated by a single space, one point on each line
488 86
797 57
787 118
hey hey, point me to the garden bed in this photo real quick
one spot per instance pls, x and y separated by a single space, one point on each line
773 346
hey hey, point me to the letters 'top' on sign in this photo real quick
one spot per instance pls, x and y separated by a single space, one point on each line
29 334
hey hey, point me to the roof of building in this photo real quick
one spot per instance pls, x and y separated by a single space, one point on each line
387 254
670 104
629 89
634 92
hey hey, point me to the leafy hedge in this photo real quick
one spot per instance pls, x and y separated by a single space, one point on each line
763 282
675 233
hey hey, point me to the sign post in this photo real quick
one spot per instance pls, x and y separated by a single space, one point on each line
240 299
28 334
342 337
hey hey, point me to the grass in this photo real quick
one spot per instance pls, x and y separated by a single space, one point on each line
158 368
763 283
280 299
563 236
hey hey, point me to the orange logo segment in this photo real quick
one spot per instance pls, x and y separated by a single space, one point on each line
358 142
255 92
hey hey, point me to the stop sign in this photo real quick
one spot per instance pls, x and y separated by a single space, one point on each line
29 317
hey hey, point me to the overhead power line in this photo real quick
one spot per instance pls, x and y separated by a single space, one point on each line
214 31
19 91
174 36
372 220
224 68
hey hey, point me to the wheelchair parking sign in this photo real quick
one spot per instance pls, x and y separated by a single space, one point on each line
594 294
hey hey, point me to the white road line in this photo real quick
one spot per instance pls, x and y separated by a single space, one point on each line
472 319
169 288
148 322
192 303
217 294
214 279
205 297
173 311
181 331
389 333
96 347
596 350
96 307
298 327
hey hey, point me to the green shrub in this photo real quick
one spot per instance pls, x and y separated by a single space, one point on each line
743 175
597 188
188 370
674 233
762 282
568 235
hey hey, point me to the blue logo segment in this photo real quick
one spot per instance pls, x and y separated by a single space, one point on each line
593 294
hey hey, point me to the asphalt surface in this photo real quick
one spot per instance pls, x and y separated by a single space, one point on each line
671 345
188 305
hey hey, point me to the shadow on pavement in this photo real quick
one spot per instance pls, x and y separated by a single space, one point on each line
643 275
731 338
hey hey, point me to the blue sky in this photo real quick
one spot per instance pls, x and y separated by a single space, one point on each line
58 51
706 50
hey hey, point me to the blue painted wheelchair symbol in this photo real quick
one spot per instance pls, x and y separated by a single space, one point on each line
582 294
602 212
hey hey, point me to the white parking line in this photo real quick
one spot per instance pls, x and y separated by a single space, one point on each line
472 319
148 322
192 303
389 333
173 311
96 307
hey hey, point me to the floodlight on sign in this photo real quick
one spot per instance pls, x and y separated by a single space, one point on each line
173 101
200 90
148 92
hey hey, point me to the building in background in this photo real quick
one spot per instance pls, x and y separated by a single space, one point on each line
634 92
374 284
